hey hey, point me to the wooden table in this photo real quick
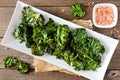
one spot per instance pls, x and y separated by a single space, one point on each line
59 8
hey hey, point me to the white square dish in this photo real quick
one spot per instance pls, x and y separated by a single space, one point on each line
109 43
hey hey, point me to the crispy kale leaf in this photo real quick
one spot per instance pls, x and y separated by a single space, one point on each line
51 30
31 18
77 10
40 38
28 36
9 61
36 50
21 66
88 50
79 36
36 22
78 65
24 32
95 45
58 35
62 36
64 54
52 35
19 33
68 56
97 49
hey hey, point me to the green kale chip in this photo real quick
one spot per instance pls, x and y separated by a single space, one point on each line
77 10
21 66
31 18
19 33
24 32
41 39
10 61
79 35
62 36
36 50
88 50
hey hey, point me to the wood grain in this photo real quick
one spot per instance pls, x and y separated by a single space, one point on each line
42 76
9 3
59 8
36 76
112 75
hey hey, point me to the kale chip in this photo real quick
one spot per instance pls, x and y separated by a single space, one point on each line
15 63
77 10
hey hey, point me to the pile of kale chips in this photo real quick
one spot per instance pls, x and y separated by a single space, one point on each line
15 63
74 46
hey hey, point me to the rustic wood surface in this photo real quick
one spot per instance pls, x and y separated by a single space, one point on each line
55 7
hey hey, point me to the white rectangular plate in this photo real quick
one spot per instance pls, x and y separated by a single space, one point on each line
109 43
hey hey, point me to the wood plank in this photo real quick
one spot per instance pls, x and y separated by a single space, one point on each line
114 64
5 16
112 75
7 74
4 3
50 75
